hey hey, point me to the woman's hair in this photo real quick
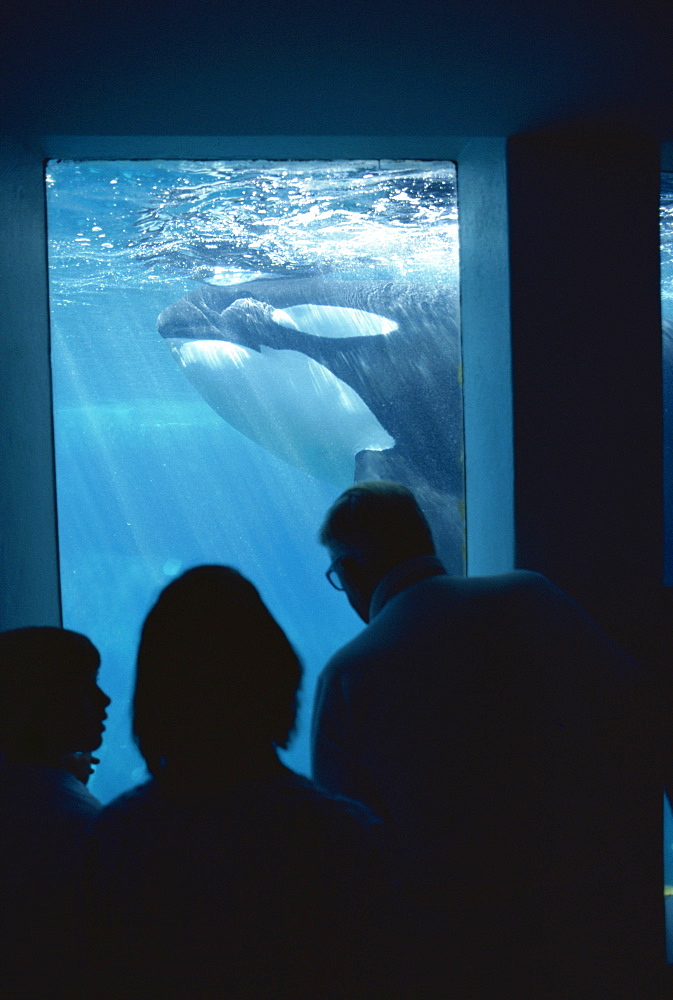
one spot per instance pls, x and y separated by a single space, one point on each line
215 671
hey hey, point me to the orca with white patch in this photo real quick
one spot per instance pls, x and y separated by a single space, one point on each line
349 380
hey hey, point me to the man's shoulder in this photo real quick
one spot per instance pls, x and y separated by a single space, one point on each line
444 598
497 583
347 658
519 589
445 603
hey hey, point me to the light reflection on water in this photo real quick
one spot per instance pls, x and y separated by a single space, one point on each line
232 221
666 228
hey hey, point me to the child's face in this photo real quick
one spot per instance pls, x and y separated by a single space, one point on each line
80 718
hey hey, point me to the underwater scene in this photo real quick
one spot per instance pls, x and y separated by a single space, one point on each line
666 230
233 344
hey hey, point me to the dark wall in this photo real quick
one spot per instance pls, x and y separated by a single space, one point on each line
586 354
341 67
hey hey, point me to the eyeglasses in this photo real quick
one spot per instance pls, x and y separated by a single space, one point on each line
333 576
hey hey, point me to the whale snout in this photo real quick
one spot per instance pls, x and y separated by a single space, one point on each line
178 320
163 321
186 321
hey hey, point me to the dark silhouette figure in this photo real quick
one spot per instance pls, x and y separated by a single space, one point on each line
500 734
227 874
51 709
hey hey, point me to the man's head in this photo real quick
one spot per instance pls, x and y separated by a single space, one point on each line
371 528
50 702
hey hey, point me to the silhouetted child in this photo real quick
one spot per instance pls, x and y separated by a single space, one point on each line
227 874
50 708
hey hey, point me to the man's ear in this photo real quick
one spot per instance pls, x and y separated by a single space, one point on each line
358 573
350 567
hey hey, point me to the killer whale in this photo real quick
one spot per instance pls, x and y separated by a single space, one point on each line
394 349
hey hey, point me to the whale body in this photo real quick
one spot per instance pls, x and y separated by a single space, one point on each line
347 380
289 404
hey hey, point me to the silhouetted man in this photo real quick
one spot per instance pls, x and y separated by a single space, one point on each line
51 709
496 730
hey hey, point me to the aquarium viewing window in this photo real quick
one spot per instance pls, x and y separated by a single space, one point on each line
234 343
666 217
666 228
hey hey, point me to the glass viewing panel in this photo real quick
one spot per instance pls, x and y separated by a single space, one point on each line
233 344
666 221
666 217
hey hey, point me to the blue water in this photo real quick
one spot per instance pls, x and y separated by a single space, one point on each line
666 226
150 480
666 229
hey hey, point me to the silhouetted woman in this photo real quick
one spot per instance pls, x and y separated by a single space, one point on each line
227 874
